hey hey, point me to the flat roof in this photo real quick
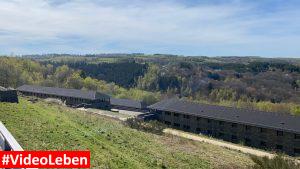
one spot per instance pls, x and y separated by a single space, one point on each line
126 103
278 121
75 93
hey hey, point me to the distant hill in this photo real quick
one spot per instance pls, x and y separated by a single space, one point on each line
269 84
249 78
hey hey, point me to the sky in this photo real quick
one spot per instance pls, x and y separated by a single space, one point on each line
268 28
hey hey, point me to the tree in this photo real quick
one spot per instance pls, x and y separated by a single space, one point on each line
90 83
74 81
61 74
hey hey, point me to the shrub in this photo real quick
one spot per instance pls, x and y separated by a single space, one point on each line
152 126
278 162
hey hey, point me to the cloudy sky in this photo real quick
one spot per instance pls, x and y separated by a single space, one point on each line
268 28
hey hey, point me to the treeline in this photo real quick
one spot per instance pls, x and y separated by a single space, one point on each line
272 89
15 72
190 79
124 73
256 67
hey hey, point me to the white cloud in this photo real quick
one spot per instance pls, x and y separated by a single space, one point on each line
34 26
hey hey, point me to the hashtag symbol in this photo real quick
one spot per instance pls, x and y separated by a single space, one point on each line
5 159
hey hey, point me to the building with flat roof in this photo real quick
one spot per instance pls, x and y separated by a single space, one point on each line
72 97
265 130
128 104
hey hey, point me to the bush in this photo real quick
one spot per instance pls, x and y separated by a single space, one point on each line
278 162
152 126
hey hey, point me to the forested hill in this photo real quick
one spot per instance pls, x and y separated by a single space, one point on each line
121 73
252 82
221 78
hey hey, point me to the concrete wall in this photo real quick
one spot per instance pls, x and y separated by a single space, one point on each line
263 138
9 96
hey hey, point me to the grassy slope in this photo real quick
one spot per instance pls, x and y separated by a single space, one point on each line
42 126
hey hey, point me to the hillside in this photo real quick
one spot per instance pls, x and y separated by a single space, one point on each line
45 126
252 82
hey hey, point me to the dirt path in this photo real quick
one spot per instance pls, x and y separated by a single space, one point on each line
232 146
109 114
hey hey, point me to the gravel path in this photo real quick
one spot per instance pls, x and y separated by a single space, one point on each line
232 146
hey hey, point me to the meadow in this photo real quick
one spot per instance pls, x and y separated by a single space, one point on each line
46 126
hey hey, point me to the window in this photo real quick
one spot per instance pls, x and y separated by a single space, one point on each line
263 144
186 116
248 128
198 118
279 133
297 136
176 125
262 130
187 127
167 123
247 141
233 125
233 137
221 123
168 113
208 120
279 147
176 114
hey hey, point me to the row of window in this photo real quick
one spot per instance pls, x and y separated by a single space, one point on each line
235 139
278 133
233 125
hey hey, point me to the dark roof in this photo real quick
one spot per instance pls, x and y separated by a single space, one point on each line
127 103
91 95
279 121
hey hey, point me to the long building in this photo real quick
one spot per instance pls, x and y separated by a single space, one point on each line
8 95
266 130
71 97
128 104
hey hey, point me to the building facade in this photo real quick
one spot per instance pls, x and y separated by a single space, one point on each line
128 104
8 95
72 97
264 130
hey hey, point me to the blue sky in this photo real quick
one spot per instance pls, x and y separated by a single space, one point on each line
269 28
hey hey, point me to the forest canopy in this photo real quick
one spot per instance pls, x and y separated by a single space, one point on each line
259 83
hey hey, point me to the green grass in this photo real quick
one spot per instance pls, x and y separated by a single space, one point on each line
44 126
